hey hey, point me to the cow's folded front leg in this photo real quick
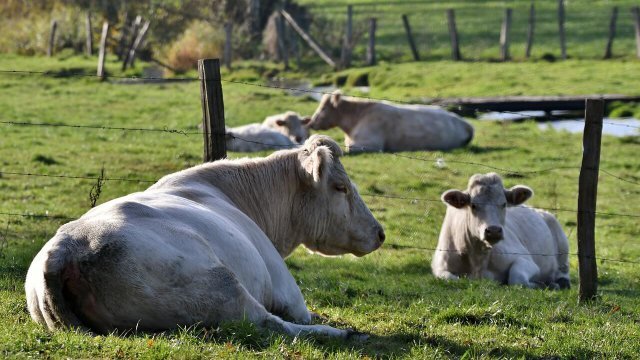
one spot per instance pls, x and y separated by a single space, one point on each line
522 272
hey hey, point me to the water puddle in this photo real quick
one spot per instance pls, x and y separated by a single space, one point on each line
615 127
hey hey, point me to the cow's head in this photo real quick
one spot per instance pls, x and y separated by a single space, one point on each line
293 126
485 202
326 115
335 217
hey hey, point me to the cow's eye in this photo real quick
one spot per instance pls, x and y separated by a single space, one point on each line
474 207
341 188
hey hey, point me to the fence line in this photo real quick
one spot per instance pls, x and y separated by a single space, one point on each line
393 246
311 91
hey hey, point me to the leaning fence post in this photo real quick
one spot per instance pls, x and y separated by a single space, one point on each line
635 11
371 49
103 50
504 35
228 27
587 195
89 34
412 44
52 38
215 146
282 46
563 45
453 35
612 33
131 58
134 34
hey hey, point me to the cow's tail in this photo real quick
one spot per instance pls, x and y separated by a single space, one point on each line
48 297
562 247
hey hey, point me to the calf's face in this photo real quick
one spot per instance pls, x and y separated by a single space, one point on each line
335 216
485 205
294 127
326 115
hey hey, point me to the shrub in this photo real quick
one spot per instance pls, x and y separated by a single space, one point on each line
200 40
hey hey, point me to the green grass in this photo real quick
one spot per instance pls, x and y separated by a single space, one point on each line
478 23
389 294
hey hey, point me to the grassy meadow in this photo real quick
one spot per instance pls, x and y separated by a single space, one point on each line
389 294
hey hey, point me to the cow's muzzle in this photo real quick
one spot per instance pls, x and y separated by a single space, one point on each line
493 234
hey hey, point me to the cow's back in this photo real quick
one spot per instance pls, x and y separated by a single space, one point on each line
414 127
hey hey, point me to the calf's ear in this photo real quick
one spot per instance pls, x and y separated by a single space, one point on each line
305 120
317 164
281 122
518 194
335 98
456 198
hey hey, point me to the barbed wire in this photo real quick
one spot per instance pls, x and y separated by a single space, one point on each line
319 92
99 127
74 177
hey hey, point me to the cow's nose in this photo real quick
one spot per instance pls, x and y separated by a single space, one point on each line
493 233
298 139
381 235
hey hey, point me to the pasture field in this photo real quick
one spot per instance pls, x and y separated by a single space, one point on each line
478 23
389 294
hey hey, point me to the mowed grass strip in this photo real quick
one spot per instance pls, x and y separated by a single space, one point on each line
389 294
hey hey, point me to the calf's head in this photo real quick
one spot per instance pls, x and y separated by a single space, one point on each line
485 205
335 217
293 126
326 115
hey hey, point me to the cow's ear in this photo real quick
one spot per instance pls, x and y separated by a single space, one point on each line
518 194
456 198
335 98
305 120
281 122
317 165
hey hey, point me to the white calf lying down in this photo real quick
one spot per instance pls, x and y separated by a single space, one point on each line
486 234
384 126
204 245
290 124
256 137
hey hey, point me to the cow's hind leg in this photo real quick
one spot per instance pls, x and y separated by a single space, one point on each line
236 303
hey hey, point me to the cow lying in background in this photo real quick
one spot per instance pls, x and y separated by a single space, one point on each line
290 124
487 234
256 137
383 126
204 245
282 131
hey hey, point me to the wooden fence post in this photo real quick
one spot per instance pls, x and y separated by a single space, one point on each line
504 34
635 11
563 45
52 38
612 33
587 195
103 50
228 27
407 29
89 34
134 34
129 62
345 56
371 49
215 146
307 38
530 29
453 35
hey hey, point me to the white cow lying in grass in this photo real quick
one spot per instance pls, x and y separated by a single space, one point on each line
204 245
486 234
290 124
256 137
383 126
281 131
